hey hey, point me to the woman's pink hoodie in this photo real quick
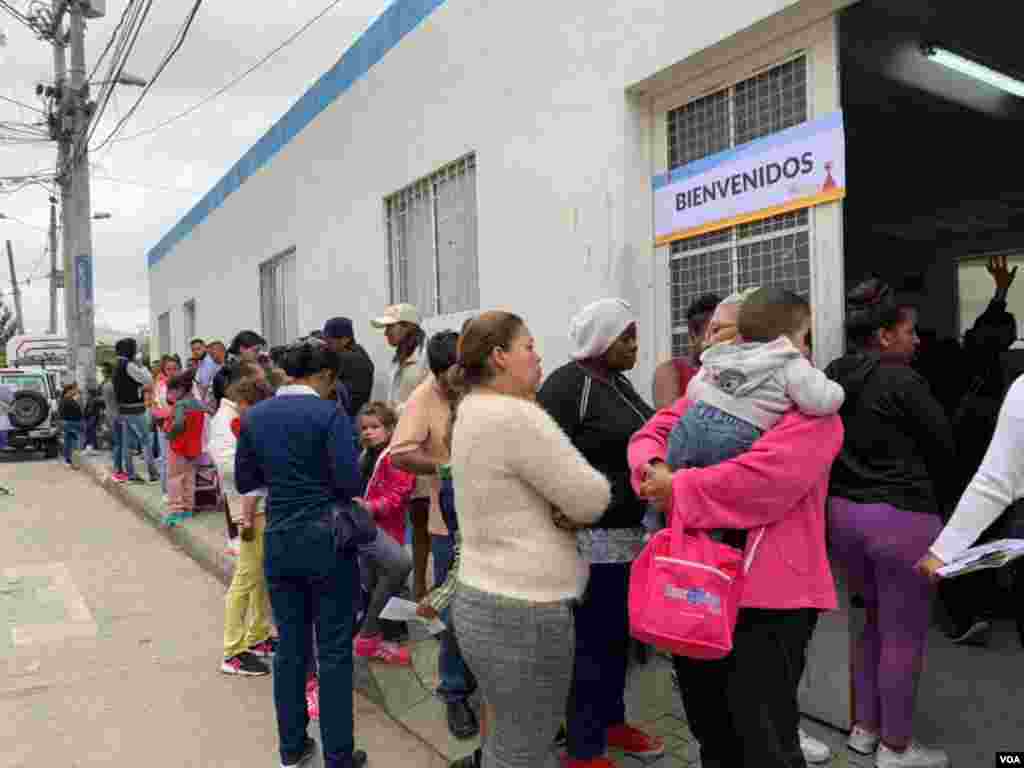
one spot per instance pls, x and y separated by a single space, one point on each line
781 482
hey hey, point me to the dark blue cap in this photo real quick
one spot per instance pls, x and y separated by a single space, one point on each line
339 328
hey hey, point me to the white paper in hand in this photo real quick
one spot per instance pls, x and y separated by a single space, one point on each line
398 609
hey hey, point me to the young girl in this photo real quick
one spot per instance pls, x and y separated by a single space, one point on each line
70 413
247 632
385 562
185 445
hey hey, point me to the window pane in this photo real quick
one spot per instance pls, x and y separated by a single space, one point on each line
163 324
771 101
698 129
458 268
691 276
783 262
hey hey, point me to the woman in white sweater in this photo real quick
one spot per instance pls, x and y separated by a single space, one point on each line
998 483
516 473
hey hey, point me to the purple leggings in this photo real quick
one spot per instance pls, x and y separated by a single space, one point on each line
877 545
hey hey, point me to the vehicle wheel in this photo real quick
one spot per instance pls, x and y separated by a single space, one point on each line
52 450
28 410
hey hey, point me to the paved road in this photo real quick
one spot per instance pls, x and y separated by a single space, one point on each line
109 644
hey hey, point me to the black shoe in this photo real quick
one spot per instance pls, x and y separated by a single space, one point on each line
562 737
308 753
462 721
358 758
469 761
244 664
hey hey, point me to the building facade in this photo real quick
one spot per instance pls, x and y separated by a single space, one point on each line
465 156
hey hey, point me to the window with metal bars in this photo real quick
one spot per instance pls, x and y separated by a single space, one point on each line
279 299
774 251
432 241
163 333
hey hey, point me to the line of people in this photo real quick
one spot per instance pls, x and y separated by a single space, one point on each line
534 500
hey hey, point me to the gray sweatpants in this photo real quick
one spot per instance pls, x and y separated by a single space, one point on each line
385 566
522 656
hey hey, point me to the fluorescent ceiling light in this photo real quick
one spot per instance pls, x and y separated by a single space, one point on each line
973 69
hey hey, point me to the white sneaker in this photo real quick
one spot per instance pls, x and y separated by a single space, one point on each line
863 741
814 751
915 756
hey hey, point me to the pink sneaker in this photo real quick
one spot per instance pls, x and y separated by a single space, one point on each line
119 477
380 650
313 699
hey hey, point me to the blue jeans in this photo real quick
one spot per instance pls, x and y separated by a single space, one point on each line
597 695
161 437
135 431
706 436
310 585
72 438
457 680
116 428
90 432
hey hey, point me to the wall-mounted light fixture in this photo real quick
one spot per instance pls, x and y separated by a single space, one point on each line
975 69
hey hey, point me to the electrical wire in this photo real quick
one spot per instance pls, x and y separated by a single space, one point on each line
110 42
22 104
125 46
175 47
232 83
144 185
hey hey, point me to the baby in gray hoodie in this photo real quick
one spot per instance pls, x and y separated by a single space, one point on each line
745 388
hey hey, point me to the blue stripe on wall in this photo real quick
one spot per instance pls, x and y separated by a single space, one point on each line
398 20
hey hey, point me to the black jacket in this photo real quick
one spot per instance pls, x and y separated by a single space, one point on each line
899 446
611 413
69 410
356 373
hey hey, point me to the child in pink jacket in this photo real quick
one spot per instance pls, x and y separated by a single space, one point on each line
385 563
745 705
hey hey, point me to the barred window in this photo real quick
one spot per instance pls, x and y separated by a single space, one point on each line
773 251
279 299
432 241
163 333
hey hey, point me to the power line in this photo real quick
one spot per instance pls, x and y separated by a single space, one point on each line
232 83
133 183
175 47
113 37
22 104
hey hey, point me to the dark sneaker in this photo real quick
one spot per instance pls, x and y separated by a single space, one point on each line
266 649
308 753
562 737
469 761
462 721
244 664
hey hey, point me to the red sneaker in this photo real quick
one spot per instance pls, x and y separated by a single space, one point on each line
594 762
376 649
313 699
635 742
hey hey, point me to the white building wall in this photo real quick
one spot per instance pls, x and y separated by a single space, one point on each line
547 97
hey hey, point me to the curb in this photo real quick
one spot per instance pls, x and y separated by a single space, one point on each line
217 564
366 680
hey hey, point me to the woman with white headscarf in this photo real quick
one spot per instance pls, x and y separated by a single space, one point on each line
598 408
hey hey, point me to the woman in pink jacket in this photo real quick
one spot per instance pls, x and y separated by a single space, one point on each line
743 708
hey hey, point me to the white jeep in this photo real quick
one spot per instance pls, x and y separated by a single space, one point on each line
33 411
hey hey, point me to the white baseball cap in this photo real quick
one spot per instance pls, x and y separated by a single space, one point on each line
397 313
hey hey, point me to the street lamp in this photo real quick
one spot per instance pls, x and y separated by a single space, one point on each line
125 79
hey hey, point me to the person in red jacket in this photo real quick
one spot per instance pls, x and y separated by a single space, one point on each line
385 562
185 445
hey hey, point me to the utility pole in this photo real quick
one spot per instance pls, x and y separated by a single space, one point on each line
19 322
78 266
53 266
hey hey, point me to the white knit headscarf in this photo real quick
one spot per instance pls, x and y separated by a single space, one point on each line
596 327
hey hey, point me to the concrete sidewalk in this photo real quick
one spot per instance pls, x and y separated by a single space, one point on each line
407 694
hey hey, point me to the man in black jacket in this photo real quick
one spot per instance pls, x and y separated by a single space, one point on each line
355 375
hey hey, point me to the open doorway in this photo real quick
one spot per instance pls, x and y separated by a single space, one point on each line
935 188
